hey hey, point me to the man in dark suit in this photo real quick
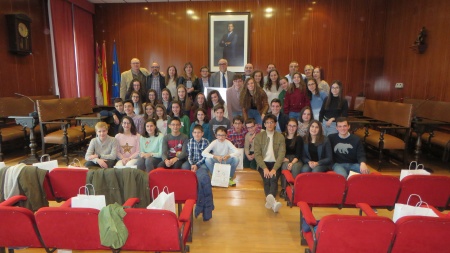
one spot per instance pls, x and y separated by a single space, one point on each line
223 78
228 42
155 80
282 119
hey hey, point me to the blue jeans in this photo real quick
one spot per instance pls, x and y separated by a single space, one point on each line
233 161
329 130
234 114
295 115
187 166
252 113
345 168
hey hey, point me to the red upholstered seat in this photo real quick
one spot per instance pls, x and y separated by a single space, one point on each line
433 189
18 226
374 189
316 189
66 182
158 230
348 233
417 234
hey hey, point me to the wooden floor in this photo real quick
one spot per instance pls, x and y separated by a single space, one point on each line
241 223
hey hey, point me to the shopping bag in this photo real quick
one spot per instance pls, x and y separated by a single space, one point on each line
401 210
163 201
351 173
221 175
75 164
2 165
48 165
414 169
88 200
123 166
241 159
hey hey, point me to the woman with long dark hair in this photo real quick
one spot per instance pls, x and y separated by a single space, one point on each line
150 147
190 80
335 106
253 101
127 143
317 154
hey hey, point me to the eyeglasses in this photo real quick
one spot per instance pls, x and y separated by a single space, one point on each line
155 67
126 123
221 135
269 122
221 64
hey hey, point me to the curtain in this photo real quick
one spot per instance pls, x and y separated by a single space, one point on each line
74 52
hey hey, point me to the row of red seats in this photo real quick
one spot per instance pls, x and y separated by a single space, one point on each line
379 191
77 228
373 233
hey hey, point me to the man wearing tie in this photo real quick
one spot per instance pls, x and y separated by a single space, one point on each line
222 78
228 42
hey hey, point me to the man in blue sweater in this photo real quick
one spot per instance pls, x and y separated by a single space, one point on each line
348 150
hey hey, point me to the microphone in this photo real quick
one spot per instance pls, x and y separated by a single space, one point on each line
32 114
418 107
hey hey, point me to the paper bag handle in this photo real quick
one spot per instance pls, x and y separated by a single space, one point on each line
417 195
153 196
86 189
76 162
45 155
418 166
166 189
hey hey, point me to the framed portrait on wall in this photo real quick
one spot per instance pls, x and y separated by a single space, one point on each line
229 39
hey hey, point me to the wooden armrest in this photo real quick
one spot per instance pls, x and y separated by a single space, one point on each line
391 127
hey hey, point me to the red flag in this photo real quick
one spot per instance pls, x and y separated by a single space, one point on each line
104 77
98 76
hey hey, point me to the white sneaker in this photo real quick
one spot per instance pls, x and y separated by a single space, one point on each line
270 201
276 207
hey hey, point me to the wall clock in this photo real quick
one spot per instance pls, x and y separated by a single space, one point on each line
19 32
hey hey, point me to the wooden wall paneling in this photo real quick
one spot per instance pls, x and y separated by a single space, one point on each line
303 22
375 52
321 39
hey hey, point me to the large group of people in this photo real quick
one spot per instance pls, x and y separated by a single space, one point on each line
294 122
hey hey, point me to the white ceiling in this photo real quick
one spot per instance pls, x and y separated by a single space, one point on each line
142 1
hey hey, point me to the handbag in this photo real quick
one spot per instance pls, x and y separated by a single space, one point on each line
88 200
47 165
401 210
221 175
414 169
164 200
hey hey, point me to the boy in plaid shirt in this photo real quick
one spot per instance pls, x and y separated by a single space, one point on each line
237 132
195 147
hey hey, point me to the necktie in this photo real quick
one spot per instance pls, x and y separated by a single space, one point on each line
224 81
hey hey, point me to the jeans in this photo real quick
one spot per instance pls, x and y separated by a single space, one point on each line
295 169
249 164
176 165
187 166
110 164
233 161
270 184
295 115
318 168
234 114
148 164
329 130
253 113
344 168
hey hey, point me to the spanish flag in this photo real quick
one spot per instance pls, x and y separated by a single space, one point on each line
104 76
98 76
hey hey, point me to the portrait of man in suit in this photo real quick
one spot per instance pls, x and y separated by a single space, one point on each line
229 43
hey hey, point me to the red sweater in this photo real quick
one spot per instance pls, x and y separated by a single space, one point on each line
295 101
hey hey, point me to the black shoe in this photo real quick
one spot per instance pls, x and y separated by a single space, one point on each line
283 193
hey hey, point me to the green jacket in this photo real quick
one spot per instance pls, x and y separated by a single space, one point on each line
261 144
113 232
118 185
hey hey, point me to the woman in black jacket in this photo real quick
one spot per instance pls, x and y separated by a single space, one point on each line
317 154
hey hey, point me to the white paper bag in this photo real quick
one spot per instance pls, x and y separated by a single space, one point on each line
164 200
87 200
2 165
123 166
48 165
351 173
401 210
221 175
414 169
76 165
241 159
